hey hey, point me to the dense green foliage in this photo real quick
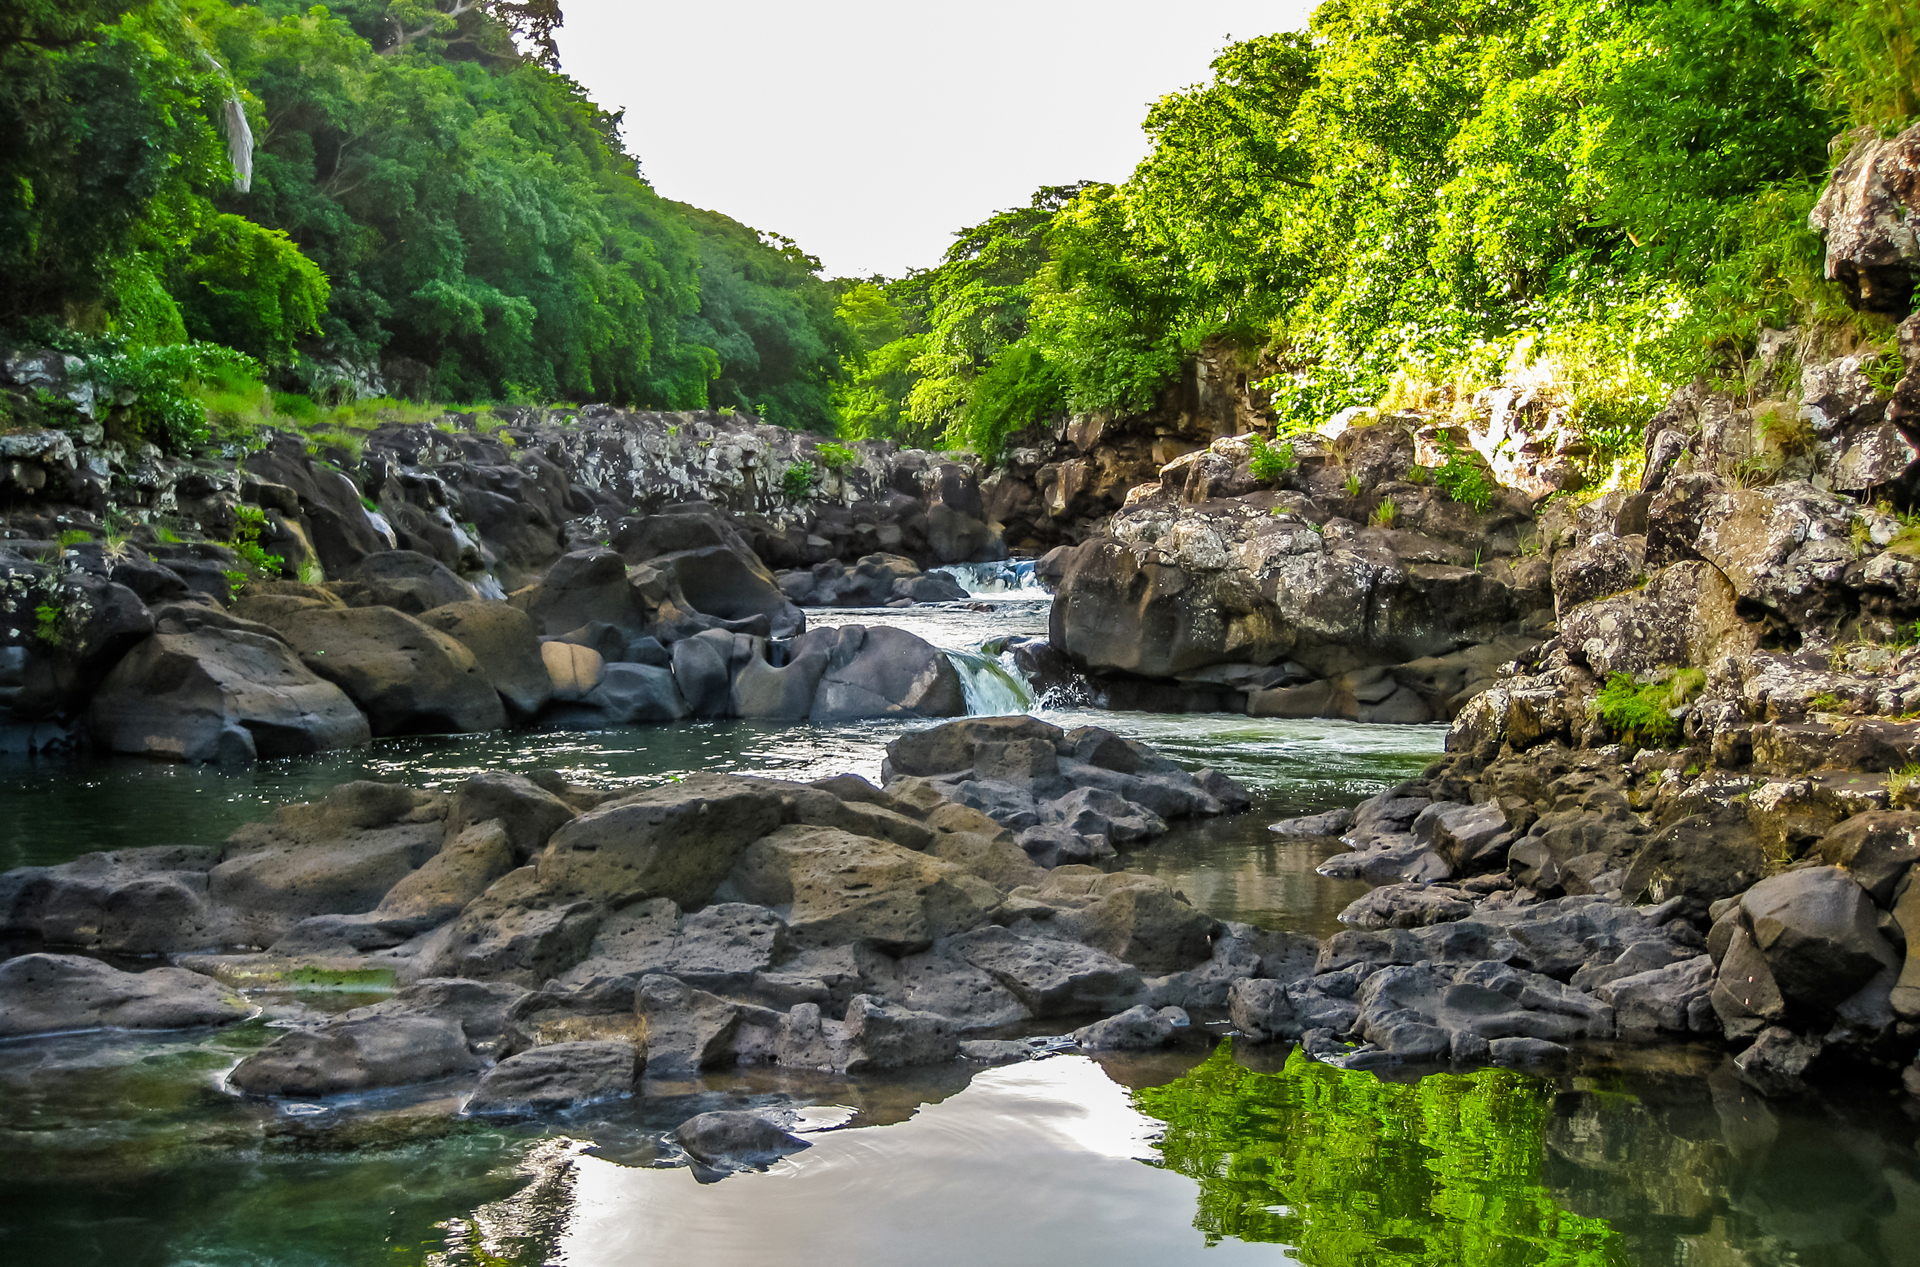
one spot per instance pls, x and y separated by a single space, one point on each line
429 198
1643 711
1348 1170
1608 196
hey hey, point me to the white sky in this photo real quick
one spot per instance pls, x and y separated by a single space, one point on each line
869 132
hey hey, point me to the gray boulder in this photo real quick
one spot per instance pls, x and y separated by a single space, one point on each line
1876 849
1139 1028
1264 1011
1406 906
702 669
1777 1062
502 641
356 1055
761 691
41 994
1051 977
404 580
339 855
129 901
626 694
555 1078
882 1036
409 679
529 812
881 672
479 1008
687 1029
209 687
1674 999
1818 931
677 841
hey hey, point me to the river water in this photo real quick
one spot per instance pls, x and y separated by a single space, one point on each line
127 1150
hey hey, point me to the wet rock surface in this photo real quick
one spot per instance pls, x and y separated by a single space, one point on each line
42 994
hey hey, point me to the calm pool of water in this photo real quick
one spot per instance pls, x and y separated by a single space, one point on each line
126 1150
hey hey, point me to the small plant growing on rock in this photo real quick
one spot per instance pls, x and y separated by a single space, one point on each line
1270 462
1353 485
1462 478
1385 513
1827 702
49 624
74 537
246 544
798 481
1643 712
835 457
1884 372
1416 475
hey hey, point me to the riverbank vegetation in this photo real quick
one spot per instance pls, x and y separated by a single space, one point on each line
1401 204
1409 201
368 199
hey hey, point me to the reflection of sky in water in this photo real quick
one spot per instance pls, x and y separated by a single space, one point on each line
1032 1163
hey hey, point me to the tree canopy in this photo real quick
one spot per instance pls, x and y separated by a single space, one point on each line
1434 185
425 195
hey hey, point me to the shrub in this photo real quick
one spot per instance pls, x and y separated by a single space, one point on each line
1270 461
246 544
835 457
798 480
1643 712
1462 477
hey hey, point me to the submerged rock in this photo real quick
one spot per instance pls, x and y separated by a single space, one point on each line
736 1139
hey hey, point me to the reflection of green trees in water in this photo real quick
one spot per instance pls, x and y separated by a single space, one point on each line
1347 1169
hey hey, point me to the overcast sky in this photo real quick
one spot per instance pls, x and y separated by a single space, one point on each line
869 132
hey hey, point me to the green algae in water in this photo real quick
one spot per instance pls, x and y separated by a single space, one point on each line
370 979
1348 1170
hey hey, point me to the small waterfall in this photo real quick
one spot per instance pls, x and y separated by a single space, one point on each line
992 690
1013 576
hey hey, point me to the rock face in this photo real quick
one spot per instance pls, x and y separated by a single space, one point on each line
1279 603
1865 213
42 994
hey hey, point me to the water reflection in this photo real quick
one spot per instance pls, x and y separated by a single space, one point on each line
125 1151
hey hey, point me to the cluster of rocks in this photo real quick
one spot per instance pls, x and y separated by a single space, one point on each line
556 945
676 617
1608 898
1070 796
878 580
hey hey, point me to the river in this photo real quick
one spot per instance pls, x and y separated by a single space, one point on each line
126 1149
